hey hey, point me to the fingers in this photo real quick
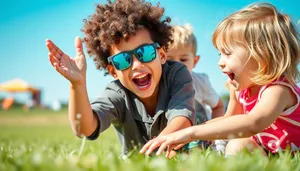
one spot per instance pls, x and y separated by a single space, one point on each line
160 142
162 147
57 53
146 146
155 144
150 146
52 59
171 149
170 152
78 46
55 63
178 146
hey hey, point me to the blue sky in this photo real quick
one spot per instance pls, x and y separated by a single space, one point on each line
24 26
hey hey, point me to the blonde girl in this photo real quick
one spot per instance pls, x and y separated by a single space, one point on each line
259 49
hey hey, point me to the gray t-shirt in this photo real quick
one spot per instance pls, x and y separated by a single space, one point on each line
134 127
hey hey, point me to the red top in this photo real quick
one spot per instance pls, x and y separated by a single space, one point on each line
284 132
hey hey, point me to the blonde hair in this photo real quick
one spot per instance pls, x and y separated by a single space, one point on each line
183 36
270 37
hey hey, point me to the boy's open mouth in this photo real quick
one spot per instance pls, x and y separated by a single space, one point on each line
142 81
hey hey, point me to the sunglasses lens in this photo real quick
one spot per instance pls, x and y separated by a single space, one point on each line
146 53
122 61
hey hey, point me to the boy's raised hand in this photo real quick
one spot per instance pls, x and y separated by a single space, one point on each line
73 69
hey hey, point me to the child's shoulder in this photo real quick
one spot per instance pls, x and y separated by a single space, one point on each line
117 87
172 68
200 77
173 65
174 73
283 82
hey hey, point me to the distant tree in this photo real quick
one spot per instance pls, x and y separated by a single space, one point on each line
225 99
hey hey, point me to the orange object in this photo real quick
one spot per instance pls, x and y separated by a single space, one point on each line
7 103
16 86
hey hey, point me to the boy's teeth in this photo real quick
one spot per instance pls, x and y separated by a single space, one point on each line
140 76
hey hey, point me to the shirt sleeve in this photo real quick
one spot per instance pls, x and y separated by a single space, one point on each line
210 96
107 108
182 100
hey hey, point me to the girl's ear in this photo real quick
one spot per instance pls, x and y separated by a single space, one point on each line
111 70
163 55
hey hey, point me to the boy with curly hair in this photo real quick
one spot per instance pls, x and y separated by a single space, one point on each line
149 97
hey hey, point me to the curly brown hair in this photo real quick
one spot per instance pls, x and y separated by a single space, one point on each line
120 20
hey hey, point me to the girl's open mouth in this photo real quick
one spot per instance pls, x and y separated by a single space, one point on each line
232 81
231 76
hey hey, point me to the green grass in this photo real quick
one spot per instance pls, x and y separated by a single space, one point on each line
44 141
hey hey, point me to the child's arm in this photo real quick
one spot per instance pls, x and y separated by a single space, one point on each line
79 103
180 112
233 108
74 70
218 110
178 123
273 102
208 94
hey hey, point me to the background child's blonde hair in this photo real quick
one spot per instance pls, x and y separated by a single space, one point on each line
270 37
183 36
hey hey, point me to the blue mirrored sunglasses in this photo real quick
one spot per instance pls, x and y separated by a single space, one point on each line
144 53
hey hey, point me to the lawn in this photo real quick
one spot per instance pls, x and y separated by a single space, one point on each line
43 140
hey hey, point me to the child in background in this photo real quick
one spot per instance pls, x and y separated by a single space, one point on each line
149 96
183 49
260 53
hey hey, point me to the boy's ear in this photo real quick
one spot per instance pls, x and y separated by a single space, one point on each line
111 70
196 59
163 55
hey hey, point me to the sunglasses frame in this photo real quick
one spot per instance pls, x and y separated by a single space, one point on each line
155 45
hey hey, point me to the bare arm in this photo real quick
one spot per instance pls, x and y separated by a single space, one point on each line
178 123
233 108
74 70
79 104
276 97
274 100
218 110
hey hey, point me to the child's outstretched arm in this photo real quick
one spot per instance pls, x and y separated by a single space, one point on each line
176 124
273 102
74 70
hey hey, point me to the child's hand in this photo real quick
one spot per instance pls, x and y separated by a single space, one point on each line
174 141
72 69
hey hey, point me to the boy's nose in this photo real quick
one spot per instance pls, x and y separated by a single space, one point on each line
136 64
